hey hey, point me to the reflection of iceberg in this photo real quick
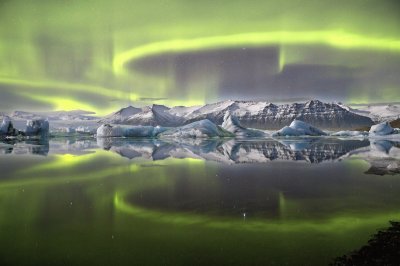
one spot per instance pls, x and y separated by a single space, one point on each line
70 145
382 155
44 146
348 133
234 151
35 147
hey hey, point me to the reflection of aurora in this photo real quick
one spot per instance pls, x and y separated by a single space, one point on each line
85 200
335 224
148 174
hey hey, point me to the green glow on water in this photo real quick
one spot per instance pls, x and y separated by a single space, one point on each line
345 223
63 199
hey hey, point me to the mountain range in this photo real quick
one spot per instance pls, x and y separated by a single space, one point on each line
251 114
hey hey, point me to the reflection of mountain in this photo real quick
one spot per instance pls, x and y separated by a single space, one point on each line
382 155
308 150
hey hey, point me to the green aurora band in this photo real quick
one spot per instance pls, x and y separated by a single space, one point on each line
56 55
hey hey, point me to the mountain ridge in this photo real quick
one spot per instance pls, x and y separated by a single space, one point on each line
251 114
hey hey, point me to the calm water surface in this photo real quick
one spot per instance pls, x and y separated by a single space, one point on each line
138 202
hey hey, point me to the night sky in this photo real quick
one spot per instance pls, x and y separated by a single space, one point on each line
103 55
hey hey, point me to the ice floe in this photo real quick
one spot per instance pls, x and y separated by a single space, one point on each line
299 128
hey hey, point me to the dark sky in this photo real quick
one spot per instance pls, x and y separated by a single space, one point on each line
102 55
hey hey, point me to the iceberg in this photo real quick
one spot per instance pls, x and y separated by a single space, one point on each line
107 130
349 133
381 129
199 129
7 128
231 123
64 130
85 130
299 128
38 127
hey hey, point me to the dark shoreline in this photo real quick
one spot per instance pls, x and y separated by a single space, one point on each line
382 249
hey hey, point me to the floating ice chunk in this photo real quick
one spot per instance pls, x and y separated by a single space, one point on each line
349 133
287 131
39 127
85 130
381 129
232 124
64 130
199 129
299 128
7 128
108 130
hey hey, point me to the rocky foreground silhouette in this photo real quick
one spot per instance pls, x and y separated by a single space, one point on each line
382 249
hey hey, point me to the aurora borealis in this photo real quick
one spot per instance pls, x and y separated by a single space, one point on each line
102 55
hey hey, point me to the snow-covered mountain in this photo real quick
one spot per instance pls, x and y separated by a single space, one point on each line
121 115
252 114
154 115
265 115
379 112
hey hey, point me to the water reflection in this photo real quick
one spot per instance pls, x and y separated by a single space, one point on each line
288 200
382 155
311 150
34 146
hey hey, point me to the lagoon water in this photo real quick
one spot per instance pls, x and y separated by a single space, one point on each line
78 201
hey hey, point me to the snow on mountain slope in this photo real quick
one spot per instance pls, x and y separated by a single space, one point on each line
121 116
155 115
252 114
379 112
183 111
263 115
